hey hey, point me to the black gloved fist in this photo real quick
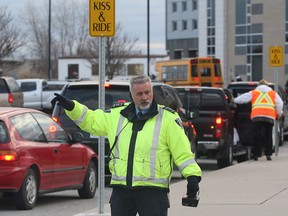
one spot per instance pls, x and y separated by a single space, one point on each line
63 101
192 186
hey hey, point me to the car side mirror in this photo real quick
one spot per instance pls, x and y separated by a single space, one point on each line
77 137
187 114
193 114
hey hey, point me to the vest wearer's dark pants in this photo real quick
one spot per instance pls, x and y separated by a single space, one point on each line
262 132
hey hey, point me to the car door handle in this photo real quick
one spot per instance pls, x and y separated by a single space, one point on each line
56 150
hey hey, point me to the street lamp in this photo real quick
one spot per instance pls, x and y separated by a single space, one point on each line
49 41
148 37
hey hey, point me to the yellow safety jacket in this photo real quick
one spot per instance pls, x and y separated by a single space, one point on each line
263 104
145 148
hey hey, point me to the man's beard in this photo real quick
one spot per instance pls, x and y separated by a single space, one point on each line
144 106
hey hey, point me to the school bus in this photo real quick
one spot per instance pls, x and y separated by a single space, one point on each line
201 71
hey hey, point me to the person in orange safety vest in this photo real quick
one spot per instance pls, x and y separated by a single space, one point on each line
266 107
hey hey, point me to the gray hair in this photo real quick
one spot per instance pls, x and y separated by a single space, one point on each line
139 80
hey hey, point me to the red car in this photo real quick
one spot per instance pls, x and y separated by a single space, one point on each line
38 156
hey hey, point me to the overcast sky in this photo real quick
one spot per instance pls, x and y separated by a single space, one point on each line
132 14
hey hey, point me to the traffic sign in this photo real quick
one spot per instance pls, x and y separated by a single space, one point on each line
276 56
102 18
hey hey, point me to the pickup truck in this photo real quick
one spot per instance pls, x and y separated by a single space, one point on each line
38 93
214 126
243 123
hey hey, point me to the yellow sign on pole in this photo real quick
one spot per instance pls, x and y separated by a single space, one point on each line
276 56
102 18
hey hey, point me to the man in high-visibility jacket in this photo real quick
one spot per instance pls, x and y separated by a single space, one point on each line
266 107
143 148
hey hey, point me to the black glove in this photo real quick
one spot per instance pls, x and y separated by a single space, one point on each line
192 186
63 101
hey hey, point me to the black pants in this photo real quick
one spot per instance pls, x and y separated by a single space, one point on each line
262 132
145 202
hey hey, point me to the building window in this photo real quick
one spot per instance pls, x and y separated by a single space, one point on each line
286 22
241 50
286 69
257 9
174 26
194 5
135 69
73 71
257 28
95 69
184 25
240 10
194 24
240 40
174 7
192 53
184 6
177 54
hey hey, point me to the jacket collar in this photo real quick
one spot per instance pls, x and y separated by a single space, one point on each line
129 111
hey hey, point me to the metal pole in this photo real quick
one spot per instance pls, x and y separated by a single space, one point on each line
49 41
148 37
101 146
276 121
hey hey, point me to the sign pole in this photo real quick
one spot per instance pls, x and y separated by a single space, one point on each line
101 146
102 25
276 121
276 61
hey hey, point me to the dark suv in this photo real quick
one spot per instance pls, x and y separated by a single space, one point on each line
86 92
243 122
214 126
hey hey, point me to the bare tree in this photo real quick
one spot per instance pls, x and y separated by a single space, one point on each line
118 50
11 37
69 28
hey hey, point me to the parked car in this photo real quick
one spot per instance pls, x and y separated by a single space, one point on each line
38 93
243 122
214 126
10 93
38 156
86 92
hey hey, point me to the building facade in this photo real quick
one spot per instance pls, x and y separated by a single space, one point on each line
239 32
78 68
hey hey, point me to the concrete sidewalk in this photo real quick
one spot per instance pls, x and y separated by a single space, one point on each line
250 188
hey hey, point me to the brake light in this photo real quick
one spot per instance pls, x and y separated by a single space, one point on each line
10 98
121 101
218 127
218 120
106 85
8 155
55 119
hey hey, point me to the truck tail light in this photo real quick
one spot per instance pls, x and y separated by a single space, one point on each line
218 121
10 98
8 155
218 133
218 127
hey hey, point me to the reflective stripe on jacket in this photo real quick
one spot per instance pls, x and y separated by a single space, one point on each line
263 104
141 156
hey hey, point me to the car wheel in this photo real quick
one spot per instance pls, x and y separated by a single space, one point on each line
90 183
225 156
26 197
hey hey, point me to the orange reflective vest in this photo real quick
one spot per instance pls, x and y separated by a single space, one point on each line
263 104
